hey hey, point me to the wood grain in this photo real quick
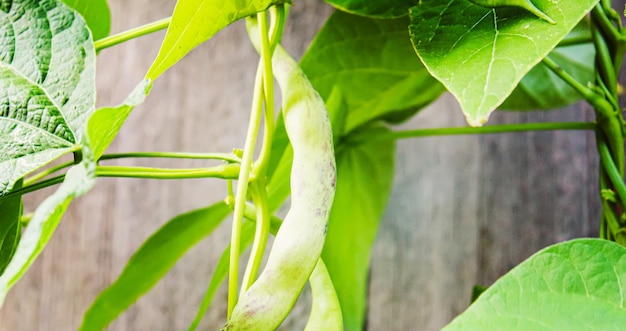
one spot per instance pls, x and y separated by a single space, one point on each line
463 211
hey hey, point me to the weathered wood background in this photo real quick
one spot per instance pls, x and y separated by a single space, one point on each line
463 211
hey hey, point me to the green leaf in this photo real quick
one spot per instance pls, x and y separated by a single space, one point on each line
105 123
481 54
543 89
152 261
10 227
96 13
221 271
47 85
575 285
365 69
196 21
78 180
376 9
364 180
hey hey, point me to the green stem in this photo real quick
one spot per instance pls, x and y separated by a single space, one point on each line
242 189
228 157
35 187
575 40
267 49
40 175
503 128
601 20
226 171
132 34
259 197
612 171
588 94
604 61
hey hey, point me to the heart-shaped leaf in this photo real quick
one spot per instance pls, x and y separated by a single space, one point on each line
481 54
47 85
575 285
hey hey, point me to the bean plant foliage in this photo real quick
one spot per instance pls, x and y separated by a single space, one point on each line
331 146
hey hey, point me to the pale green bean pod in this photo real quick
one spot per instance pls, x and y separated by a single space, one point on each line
525 4
299 242
326 310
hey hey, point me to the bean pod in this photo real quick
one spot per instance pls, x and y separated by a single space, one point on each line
299 242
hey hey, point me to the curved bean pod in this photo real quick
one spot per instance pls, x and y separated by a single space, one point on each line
299 242
525 4
326 311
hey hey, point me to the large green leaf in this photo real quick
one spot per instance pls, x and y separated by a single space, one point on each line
368 70
96 13
196 21
152 261
376 9
105 123
481 54
10 227
364 180
78 180
47 85
576 285
541 88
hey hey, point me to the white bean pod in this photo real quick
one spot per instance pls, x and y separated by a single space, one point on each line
299 242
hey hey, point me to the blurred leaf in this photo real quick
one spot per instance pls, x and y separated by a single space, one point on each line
575 285
364 180
365 69
10 227
152 261
78 180
481 54
96 14
47 85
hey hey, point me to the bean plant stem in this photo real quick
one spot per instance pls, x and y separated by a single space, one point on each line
32 183
259 193
259 197
226 171
228 157
503 128
231 158
242 188
132 34
611 170
40 175
268 90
